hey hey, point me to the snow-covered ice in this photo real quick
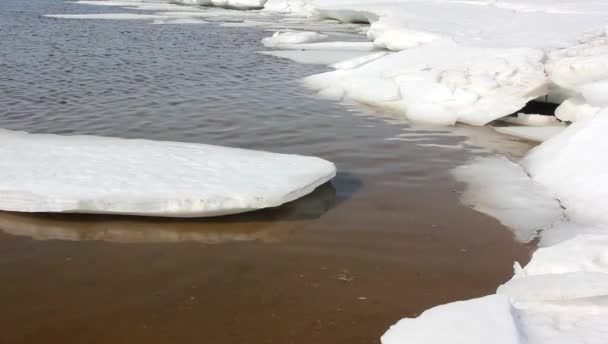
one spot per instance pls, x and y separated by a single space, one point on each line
86 174
480 321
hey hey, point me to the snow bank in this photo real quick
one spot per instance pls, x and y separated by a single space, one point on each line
442 83
86 174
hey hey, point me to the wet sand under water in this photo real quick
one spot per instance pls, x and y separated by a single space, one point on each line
296 274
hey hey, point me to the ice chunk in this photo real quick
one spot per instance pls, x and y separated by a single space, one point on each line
556 287
587 253
86 174
579 64
293 37
290 7
595 93
501 188
443 83
531 120
478 321
564 324
236 4
531 133
574 109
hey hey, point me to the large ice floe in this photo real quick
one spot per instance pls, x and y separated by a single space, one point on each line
86 174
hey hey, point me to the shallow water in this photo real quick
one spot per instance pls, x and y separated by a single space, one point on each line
386 239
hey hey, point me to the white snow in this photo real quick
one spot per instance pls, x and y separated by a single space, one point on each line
50 173
293 37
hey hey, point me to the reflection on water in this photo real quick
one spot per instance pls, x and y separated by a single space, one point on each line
268 225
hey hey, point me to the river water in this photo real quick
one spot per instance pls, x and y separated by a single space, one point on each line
386 239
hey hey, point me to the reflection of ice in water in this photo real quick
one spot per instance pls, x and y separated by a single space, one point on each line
268 225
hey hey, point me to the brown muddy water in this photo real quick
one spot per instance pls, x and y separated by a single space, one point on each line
386 239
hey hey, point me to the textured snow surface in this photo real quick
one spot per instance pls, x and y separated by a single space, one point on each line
50 173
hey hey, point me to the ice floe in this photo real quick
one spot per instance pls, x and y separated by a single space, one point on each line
293 37
86 174
235 4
